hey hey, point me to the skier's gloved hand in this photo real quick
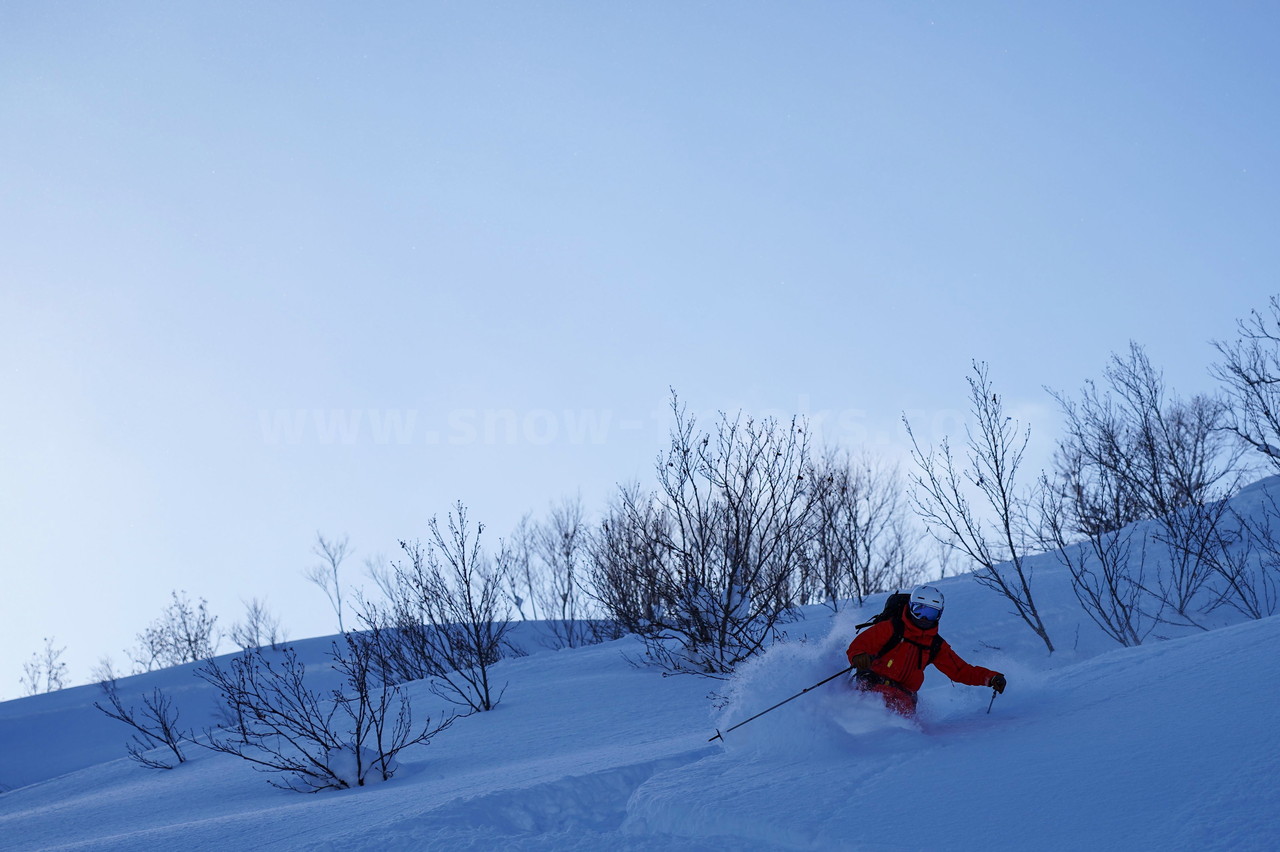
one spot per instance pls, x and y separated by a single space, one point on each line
998 683
861 662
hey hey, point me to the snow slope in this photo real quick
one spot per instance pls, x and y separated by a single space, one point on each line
1172 745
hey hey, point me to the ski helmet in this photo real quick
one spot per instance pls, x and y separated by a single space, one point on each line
926 605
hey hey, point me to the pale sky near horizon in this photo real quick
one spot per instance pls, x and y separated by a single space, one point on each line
274 268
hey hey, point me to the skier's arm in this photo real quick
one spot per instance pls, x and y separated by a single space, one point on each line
950 664
870 641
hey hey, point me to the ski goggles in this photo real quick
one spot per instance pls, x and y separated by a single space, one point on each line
926 612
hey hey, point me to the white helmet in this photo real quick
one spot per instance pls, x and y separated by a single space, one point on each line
926 604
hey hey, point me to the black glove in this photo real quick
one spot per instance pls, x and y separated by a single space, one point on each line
998 683
861 662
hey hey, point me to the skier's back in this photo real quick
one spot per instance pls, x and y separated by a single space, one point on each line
891 655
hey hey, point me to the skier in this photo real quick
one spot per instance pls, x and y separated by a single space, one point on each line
891 655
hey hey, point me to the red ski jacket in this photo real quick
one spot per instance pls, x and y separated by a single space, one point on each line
905 663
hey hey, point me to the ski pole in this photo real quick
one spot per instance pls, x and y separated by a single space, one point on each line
993 700
720 736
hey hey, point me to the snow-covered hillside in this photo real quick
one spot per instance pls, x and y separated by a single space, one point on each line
1172 745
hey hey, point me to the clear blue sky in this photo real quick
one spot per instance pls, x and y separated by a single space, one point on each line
509 228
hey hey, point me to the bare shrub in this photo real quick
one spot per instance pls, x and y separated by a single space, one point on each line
446 618
1247 565
258 628
104 670
1134 451
718 550
184 633
347 737
1250 372
860 541
155 724
627 562
1083 524
548 575
45 671
523 576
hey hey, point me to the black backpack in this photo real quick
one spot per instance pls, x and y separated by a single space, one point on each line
894 606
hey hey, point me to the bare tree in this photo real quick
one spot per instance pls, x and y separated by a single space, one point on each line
1083 525
1134 451
860 542
627 564
184 633
326 574
523 580
45 671
941 493
446 618
1250 371
1093 471
154 725
552 559
378 569
259 627
1247 564
944 556
344 738
1178 455
151 651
